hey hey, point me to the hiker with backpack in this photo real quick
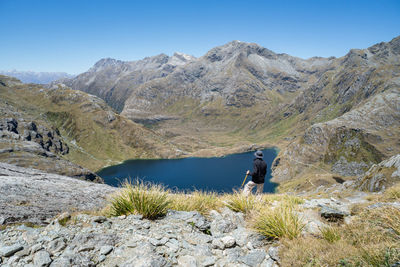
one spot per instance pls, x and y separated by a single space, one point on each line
258 175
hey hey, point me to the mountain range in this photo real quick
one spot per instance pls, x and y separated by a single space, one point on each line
36 77
240 94
329 117
335 122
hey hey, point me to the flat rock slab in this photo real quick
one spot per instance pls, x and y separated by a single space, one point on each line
332 214
254 258
8 251
29 195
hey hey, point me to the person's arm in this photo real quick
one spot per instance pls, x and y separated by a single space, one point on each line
254 170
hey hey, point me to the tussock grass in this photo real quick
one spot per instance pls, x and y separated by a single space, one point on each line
199 201
330 233
281 222
147 199
370 240
387 218
393 193
64 220
240 203
285 199
310 251
152 201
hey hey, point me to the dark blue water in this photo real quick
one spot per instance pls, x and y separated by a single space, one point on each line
220 174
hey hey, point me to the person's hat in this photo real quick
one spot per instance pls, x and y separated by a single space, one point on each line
258 154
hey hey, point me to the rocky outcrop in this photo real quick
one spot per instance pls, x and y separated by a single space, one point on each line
49 139
350 144
175 240
381 176
29 144
29 195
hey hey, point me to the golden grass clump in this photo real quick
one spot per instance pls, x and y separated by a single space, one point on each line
238 202
199 201
280 222
285 199
393 193
371 239
330 233
147 199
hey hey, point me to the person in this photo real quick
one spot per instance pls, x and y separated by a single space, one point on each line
258 175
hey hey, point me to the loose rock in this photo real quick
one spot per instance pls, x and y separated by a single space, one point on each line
333 214
187 261
208 261
42 259
254 257
105 250
228 241
273 252
8 251
99 219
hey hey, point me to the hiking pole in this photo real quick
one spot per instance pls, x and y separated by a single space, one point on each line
244 180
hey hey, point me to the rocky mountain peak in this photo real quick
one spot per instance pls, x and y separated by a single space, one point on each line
105 63
160 58
235 48
182 58
393 46
381 53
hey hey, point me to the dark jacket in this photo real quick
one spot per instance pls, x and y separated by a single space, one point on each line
259 171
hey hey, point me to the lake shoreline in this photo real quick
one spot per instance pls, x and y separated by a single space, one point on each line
219 174
207 153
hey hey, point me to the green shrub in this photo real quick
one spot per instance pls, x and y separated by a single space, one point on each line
279 222
147 199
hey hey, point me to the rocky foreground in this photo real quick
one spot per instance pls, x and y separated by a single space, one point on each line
68 237
29 195
181 238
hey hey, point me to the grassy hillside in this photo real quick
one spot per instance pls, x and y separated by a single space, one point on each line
95 134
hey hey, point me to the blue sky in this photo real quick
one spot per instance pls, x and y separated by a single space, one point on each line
72 35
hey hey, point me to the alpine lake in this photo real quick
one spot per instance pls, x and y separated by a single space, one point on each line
217 174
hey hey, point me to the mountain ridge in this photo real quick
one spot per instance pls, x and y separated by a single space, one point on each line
59 130
36 77
112 76
241 93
